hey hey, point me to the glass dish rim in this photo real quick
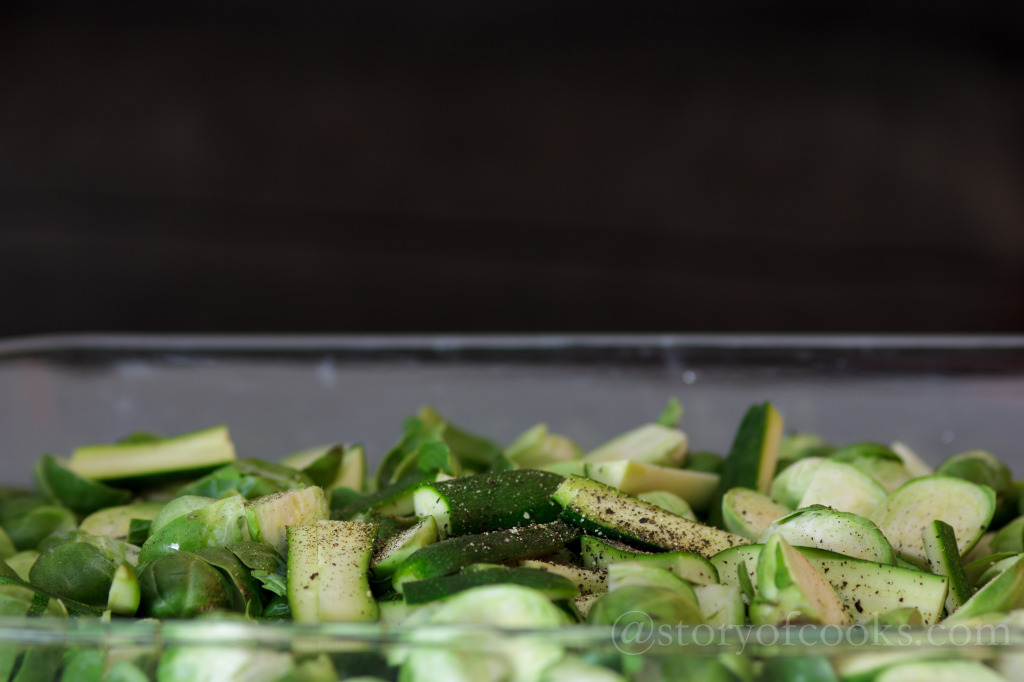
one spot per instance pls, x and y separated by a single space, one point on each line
444 342
703 640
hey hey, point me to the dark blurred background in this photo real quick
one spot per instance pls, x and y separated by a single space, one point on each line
512 166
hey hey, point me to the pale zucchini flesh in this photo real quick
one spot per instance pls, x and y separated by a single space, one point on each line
193 451
343 552
269 516
697 488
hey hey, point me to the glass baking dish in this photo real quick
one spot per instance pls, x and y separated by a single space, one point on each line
938 395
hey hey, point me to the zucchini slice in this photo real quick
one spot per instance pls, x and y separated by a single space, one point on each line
604 511
390 555
167 459
866 588
752 458
586 580
445 558
967 507
697 488
599 554
327 572
489 502
268 516
940 547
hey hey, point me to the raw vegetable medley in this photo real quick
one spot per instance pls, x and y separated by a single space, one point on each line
451 528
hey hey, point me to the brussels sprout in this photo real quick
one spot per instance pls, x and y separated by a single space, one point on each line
278 607
125 671
470 451
647 444
624 573
39 663
258 556
979 466
20 599
572 669
708 462
441 663
1009 538
182 585
21 562
84 665
502 606
8 572
536 448
331 466
790 484
75 570
791 589
797 669
265 564
321 669
79 494
797 446
139 531
878 461
29 529
215 525
644 606
249 478
1002 593
245 593
223 664
701 669
7 547
177 507
116 521
16 503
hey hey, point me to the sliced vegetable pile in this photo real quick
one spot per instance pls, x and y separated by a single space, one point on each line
452 528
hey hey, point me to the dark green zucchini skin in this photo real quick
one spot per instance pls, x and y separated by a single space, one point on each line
747 459
499 500
432 589
447 557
